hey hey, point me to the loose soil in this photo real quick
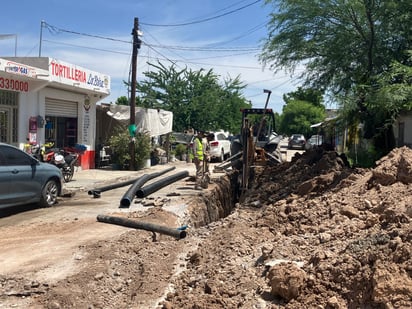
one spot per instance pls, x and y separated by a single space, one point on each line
310 233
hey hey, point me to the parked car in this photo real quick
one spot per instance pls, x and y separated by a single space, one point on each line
297 141
219 145
313 141
26 180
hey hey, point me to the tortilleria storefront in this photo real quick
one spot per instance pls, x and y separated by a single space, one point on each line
43 99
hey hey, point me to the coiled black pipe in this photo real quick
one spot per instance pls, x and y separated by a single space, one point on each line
131 192
153 187
177 233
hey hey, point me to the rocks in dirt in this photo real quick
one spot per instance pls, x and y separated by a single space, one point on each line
391 284
155 202
286 280
19 287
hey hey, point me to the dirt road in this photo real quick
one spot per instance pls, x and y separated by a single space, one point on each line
46 244
311 233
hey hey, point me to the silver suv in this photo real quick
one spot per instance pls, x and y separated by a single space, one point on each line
297 141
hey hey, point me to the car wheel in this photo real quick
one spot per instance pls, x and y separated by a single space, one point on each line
49 194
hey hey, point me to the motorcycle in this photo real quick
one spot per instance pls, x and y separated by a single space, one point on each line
34 150
61 158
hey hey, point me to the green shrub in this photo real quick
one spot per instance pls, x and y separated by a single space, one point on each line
363 157
119 143
180 149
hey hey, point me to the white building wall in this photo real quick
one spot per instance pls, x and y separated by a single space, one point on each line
28 107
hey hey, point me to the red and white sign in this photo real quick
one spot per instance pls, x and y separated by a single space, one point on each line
74 75
11 74
14 84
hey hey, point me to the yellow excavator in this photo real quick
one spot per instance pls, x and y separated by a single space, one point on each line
256 145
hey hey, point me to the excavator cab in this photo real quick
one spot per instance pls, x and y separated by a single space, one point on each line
257 131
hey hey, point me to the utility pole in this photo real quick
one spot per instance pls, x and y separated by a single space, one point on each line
41 36
132 126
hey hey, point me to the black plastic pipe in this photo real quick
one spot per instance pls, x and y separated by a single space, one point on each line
131 192
153 187
177 233
97 191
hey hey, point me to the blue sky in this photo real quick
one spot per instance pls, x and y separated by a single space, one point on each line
223 35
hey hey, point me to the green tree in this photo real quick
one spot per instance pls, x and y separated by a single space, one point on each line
122 101
392 95
344 46
196 98
298 115
301 94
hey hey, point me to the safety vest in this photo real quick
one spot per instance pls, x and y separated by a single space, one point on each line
199 149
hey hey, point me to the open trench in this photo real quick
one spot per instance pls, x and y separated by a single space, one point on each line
217 202
211 206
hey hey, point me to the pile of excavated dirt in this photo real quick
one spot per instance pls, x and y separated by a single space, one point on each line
311 233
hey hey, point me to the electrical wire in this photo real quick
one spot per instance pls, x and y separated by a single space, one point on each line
186 48
55 30
250 31
173 61
152 48
202 20
86 47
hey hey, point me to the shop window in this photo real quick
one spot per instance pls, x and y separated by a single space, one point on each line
4 125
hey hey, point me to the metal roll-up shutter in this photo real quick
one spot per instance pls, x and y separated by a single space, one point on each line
61 108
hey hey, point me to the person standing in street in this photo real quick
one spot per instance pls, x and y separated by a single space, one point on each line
197 158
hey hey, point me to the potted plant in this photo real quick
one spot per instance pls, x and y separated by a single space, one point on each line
181 151
119 143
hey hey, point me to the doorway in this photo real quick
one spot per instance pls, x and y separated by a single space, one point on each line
61 130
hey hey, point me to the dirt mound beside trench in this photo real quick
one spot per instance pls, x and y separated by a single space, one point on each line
311 233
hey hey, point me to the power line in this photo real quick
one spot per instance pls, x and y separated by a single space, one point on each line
55 30
88 47
277 86
223 65
173 61
250 31
202 20
188 48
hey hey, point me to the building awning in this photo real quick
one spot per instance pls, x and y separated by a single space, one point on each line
327 120
20 77
155 122
316 125
56 73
